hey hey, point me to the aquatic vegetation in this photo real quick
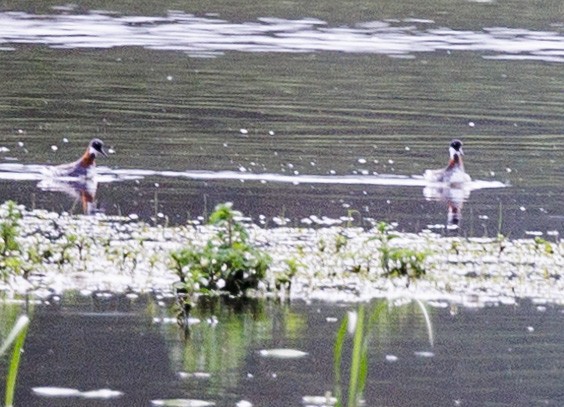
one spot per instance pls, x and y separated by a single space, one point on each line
228 262
10 249
399 261
16 338
235 256
361 327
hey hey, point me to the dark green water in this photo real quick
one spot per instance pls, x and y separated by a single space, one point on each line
329 89
496 356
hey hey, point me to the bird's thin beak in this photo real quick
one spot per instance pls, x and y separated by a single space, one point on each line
460 151
103 152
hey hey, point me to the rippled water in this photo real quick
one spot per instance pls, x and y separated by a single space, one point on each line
95 348
360 102
205 36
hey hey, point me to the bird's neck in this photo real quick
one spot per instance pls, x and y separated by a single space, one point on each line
88 159
455 162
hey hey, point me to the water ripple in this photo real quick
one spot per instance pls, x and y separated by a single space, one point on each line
210 36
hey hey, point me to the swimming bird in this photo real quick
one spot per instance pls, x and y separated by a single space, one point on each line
454 173
84 166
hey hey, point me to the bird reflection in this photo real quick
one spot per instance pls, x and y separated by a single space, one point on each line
80 189
453 196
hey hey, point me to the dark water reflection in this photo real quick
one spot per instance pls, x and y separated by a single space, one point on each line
502 355
316 112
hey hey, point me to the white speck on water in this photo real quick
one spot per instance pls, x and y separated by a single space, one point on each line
509 170
312 163
282 353
471 124
133 216
56 391
541 308
362 161
271 133
157 185
407 148
243 131
321 401
225 145
388 201
54 148
376 161
533 233
242 169
182 403
522 208
21 131
390 161
169 78
331 319
65 140
332 172
391 358
290 165
274 375
244 403
101 394
483 217
4 149
20 144
365 172
530 329
552 233
424 354
111 151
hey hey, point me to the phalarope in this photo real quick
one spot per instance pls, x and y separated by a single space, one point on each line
454 172
83 167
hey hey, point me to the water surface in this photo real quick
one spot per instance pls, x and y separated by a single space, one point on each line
273 88
419 354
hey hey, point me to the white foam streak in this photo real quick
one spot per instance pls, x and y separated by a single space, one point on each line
206 36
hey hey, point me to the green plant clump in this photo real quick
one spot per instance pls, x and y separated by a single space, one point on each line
227 263
10 250
399 261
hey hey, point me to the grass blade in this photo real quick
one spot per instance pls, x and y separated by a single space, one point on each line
17 335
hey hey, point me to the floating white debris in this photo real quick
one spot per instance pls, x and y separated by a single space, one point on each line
194 375
282 353
530 329
244 403
424 354
243 131
390 161
182 403
391 358
56 392
65 140
471 124
54 148
101 394
522 208
169 78
327 400
271 132
331 319
362 161
4 149
407 148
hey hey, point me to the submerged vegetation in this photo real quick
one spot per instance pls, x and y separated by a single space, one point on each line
230 254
